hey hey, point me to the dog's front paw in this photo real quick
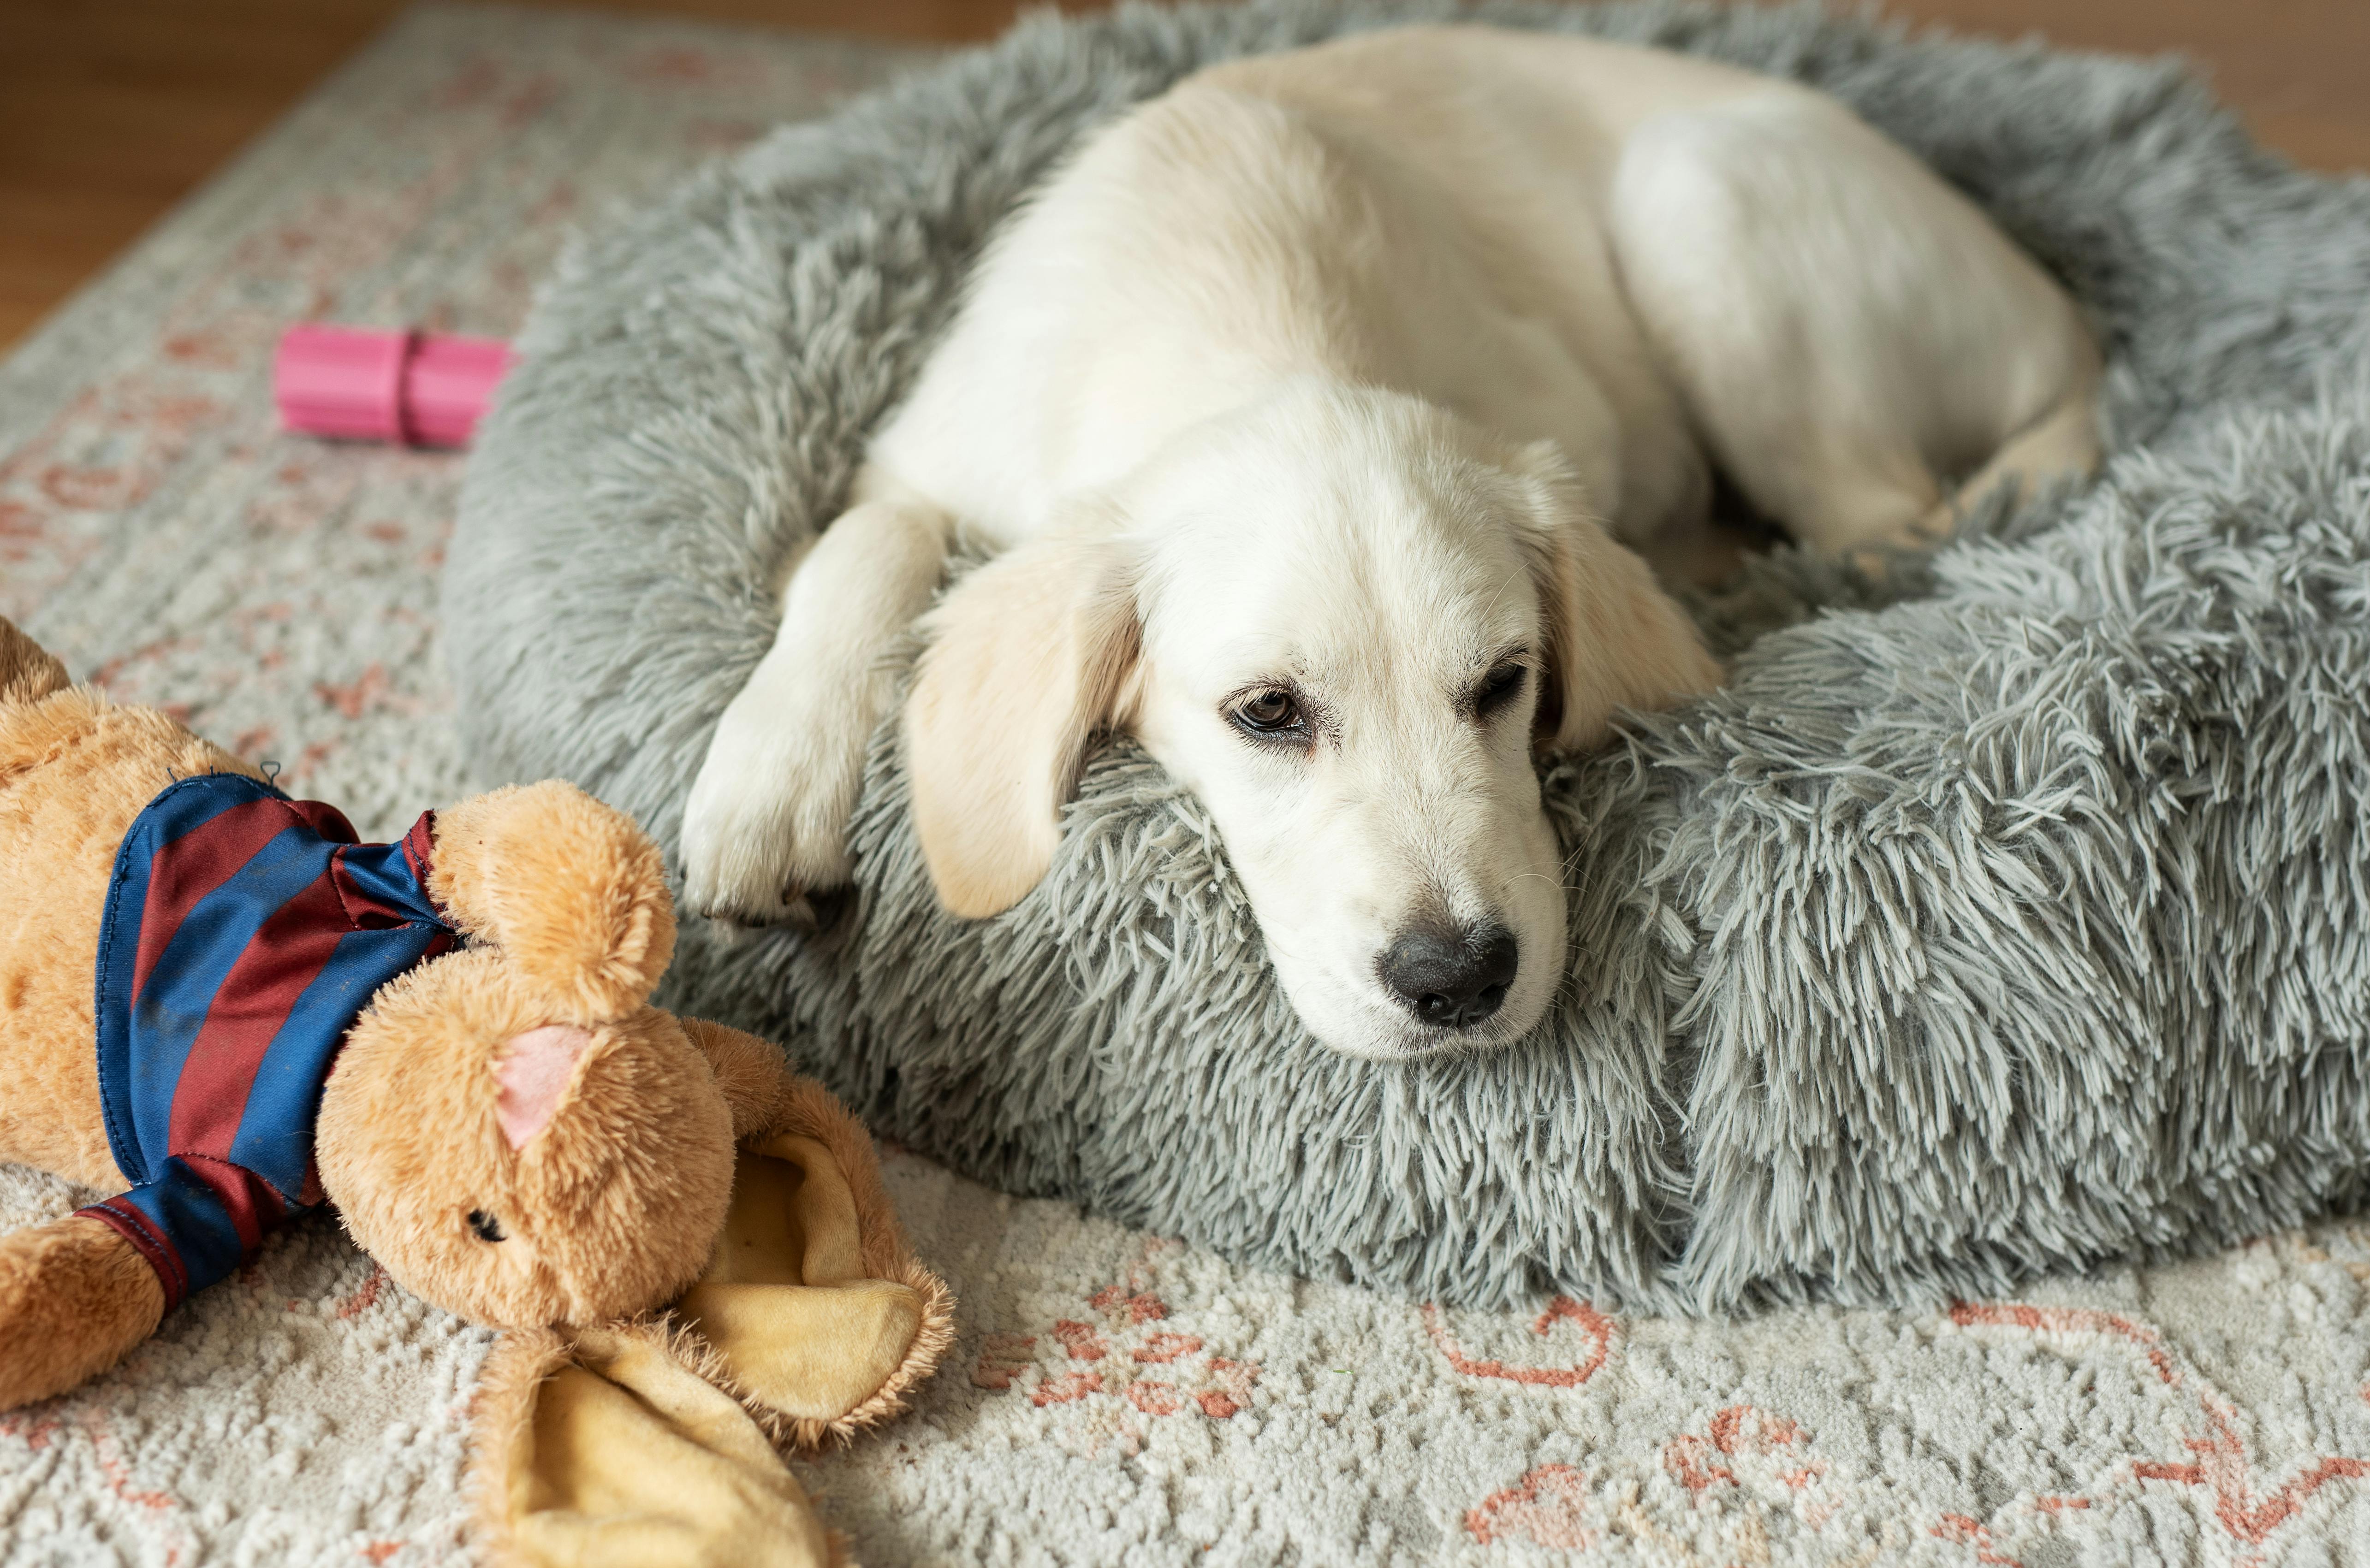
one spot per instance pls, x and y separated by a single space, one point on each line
766 829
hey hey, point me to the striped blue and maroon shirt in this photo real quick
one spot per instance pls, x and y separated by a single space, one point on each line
243 934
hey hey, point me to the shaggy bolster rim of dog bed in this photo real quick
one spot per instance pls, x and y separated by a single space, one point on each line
2008 921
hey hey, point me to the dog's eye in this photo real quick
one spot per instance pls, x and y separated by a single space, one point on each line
1268 712
1498 688
488 1227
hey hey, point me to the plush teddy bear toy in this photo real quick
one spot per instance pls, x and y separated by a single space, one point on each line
213 997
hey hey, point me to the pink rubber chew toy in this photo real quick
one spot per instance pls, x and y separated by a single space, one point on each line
412 387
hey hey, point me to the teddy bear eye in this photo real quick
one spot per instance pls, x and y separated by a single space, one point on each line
488 1227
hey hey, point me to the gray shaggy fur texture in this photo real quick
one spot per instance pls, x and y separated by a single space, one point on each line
2010 918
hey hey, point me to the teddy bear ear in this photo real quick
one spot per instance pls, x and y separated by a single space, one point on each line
533 1072
28 673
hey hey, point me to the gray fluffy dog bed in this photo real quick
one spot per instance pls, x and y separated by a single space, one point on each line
2014 923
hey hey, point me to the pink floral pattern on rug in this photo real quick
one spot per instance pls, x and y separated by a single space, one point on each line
1116 1398
2143 1417
1121 1352
1755 1473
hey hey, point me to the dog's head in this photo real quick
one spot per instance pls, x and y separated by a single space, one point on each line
1344 618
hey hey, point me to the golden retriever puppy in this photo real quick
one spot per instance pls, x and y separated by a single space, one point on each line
1318 414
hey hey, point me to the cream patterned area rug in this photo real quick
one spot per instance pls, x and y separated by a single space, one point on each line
1115 1397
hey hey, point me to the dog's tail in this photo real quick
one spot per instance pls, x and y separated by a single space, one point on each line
28 672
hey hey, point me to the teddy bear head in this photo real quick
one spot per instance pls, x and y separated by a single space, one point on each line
511 1129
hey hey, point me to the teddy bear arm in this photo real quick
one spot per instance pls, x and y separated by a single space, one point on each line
75 1299
751 1073
572 890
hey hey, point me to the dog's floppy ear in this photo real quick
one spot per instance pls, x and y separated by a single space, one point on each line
1614 639
1029 655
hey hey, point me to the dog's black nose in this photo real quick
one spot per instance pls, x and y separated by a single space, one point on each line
1451 978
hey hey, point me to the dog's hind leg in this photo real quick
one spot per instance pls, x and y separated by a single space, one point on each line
1849 333
2062 444
767 822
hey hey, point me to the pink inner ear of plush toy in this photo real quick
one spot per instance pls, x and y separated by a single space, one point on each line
533 1073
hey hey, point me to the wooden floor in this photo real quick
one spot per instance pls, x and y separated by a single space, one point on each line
112 109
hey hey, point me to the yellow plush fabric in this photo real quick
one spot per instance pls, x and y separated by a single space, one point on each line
656 1443
632 1459
785 1302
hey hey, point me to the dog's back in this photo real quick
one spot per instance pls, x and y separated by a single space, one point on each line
1645 258
1420 209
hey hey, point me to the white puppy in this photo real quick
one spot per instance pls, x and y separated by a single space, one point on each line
1311 410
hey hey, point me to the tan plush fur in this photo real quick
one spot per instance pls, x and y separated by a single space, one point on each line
611 1209
806 1434
749 1071
73 1299
809 1109
74 770
502 1421
930 1345
573 892
768 1101
27 670
608 1210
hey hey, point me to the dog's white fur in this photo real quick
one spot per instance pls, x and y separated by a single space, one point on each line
1340 373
